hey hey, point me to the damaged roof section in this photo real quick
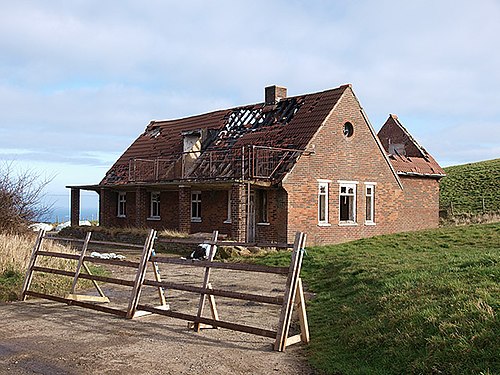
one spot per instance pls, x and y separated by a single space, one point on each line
407 156
259 141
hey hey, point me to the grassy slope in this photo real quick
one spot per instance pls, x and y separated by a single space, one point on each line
423 302
465 185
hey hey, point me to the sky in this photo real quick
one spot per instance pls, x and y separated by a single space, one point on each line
81 79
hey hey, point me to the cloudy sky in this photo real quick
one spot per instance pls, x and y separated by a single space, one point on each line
79 80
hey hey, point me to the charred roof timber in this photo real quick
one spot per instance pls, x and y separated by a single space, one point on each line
274 94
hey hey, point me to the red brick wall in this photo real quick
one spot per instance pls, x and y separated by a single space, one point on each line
276 231
420 207
356 158
213 212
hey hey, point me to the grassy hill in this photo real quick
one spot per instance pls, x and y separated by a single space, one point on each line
467 186
411 303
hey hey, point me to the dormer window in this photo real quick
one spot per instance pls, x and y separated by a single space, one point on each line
191 148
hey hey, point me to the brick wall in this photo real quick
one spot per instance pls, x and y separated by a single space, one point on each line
356 158
276 230
238 212
420 207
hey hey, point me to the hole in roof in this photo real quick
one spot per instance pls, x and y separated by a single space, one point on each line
154 132
348 129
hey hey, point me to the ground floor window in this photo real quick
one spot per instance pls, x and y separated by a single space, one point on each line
347 204
122 203
155 205
370 203
323 203
228 219
262 206
196 206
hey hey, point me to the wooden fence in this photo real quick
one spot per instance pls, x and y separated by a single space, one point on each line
293 296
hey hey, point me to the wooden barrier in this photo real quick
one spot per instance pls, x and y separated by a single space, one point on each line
293 291
293 296
88 301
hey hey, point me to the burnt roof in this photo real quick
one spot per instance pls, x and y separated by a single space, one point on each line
407 156
287 125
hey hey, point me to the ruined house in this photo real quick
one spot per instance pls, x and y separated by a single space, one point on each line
261 172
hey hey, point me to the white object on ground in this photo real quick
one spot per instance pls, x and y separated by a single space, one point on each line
82 223
95 254
202 251
36 227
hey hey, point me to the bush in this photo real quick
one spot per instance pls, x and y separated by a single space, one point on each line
21 198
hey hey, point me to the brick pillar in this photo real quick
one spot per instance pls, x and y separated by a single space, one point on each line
141 206
185 209
238 212
107 207
75 207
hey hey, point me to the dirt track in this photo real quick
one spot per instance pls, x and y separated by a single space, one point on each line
44 337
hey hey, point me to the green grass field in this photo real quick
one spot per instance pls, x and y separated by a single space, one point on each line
472 188
412 303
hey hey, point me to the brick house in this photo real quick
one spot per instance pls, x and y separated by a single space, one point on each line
261 172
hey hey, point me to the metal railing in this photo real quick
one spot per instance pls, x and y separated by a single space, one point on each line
246 162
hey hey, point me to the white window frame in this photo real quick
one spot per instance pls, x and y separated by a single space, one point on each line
348 185
229 196
371 197
323 184
196 199
154 201
121 204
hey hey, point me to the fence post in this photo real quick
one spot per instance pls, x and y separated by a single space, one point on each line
141 273
290 291
29 272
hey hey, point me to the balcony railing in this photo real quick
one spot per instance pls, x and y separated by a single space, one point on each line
247 162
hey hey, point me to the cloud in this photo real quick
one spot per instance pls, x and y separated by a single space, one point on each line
80 80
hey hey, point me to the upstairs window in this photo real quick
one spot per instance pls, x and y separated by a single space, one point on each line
155 205
370 203
347 203
323 203
122 203
196 206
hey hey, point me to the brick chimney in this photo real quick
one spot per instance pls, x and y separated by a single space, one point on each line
274 94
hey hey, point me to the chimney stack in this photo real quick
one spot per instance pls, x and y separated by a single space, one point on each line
274 94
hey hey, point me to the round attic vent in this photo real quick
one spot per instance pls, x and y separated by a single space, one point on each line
348 129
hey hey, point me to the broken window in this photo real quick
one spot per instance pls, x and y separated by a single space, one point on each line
155 205
262 206
323 203
370 203
196 206
122 201
347 202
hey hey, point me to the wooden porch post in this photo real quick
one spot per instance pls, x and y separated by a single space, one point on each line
75 207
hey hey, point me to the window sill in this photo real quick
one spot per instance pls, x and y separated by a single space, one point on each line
154 218
264 224
370 223
324 225
121 216
227 222
196 219
348 224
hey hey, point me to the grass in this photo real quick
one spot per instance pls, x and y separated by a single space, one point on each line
412 303
15 253
467 185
